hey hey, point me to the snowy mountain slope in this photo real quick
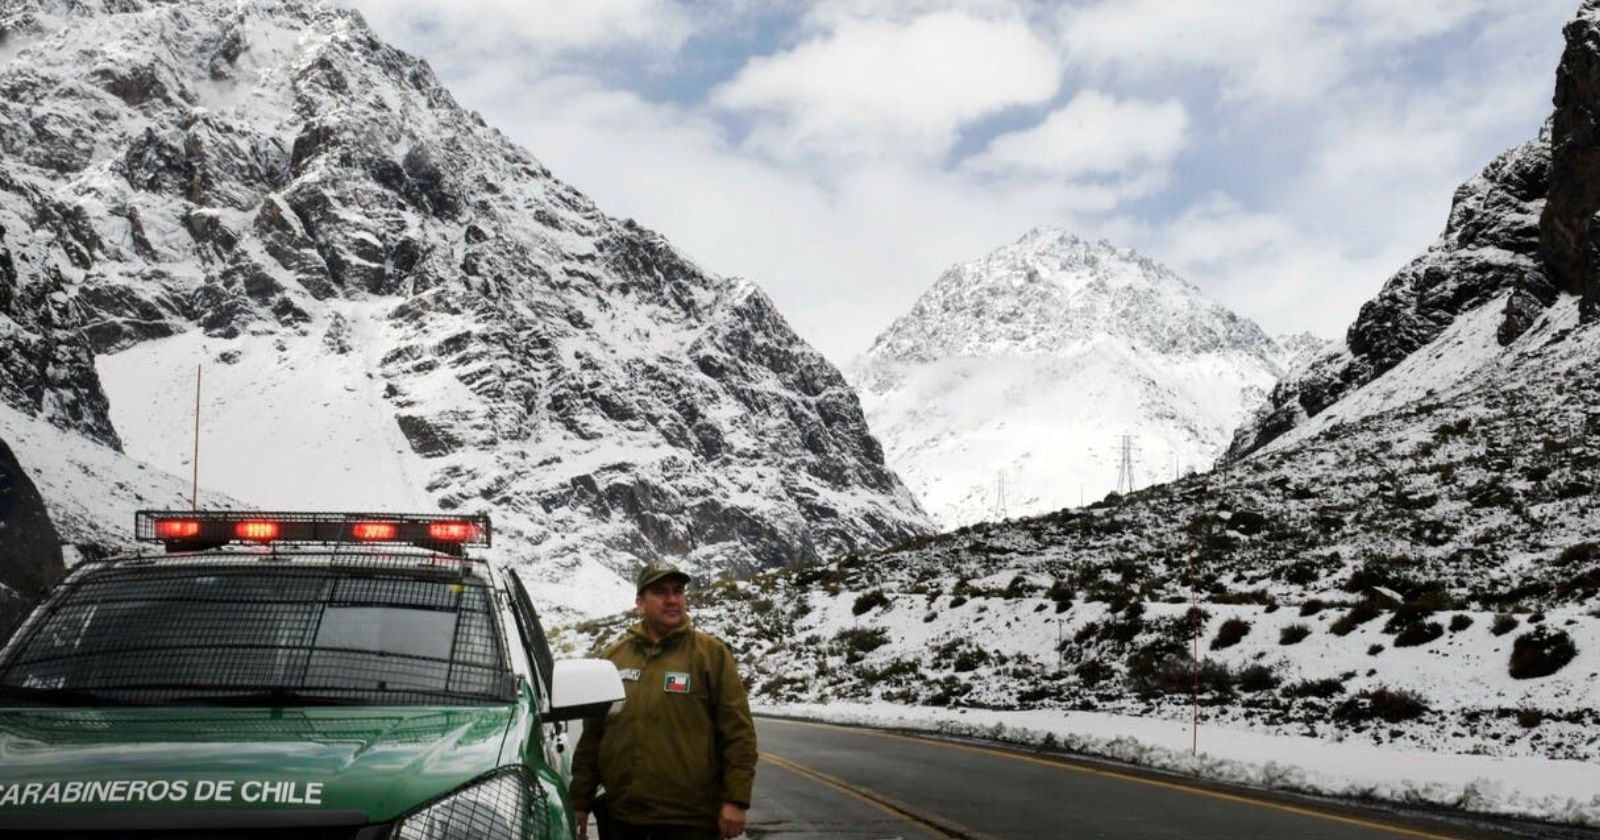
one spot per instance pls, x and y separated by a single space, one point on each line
1520 233
1386 573
91 490
391 302
1018 373
1416 567
1487 252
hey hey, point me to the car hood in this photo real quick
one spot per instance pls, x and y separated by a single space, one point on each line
378 762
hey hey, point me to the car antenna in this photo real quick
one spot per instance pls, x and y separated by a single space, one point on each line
194 493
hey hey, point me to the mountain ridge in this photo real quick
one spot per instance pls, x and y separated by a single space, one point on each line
245 173
1022 369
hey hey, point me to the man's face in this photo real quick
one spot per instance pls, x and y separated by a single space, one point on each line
662 606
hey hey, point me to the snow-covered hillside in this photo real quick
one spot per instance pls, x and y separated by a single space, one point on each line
1423 576
393 306
1018 374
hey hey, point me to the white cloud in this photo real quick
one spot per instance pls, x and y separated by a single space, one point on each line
1265 266
824 171
1094 134
842 252
479 27
878 88
1263 51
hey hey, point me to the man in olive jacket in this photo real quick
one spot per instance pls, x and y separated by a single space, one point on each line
677 758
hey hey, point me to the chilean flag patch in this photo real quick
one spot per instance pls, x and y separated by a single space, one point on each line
677 682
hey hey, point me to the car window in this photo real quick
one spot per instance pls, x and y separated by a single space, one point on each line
199 635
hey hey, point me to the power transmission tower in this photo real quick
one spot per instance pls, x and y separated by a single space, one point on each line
1000 498
1125 467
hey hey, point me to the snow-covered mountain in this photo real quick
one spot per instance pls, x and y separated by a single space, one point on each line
1421 576
393 306
1019 373
1520 237
1416 564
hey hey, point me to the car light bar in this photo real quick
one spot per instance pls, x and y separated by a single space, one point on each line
205 529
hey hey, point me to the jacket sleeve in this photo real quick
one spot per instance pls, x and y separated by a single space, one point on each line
736 730
586 765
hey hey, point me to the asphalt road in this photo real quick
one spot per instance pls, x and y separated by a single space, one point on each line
819 781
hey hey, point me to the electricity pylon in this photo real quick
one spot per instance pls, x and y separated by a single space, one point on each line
1125 467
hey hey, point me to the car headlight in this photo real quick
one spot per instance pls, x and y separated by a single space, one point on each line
494 808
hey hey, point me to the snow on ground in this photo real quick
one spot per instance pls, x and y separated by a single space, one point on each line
284 423
1555 791
91 491
1049 426
1467 346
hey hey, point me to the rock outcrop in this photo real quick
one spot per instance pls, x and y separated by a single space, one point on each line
30 549
1526 228
1489 248
1569 235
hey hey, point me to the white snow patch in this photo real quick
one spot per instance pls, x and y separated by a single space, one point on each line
287 425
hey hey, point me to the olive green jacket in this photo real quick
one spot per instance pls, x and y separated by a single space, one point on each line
681 743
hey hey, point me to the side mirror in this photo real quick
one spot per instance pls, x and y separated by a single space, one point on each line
583 688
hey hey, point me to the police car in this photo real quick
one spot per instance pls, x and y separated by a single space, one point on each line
295 675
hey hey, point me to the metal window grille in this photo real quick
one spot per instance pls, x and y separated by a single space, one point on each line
192 632
506 806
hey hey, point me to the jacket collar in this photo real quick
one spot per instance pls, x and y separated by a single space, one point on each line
637 633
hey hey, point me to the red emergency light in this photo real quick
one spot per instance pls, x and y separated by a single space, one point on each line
177 529
257 530
206 530
375 531
454 532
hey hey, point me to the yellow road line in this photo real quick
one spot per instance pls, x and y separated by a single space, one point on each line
1127 777
883 803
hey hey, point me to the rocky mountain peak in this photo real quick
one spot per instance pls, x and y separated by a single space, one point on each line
1006 388
267 189
1051 292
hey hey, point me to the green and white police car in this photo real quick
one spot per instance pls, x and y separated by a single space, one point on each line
295 675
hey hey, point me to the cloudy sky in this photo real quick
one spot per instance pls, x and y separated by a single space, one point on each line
1284 157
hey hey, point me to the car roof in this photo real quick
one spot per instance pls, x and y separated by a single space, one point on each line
395 560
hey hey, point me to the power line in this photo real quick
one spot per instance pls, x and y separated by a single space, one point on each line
1000 498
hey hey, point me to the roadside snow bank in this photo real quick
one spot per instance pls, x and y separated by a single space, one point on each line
1532 788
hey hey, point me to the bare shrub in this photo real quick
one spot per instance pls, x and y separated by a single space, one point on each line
870 600
1503 623
1358 615
1257 678
1230 633
1541 653
1415 635
1323 688
1388 704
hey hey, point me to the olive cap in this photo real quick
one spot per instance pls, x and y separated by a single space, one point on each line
653 572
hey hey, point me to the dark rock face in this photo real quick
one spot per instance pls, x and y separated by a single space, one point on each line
1569 234
1490 246
47 366
30 549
